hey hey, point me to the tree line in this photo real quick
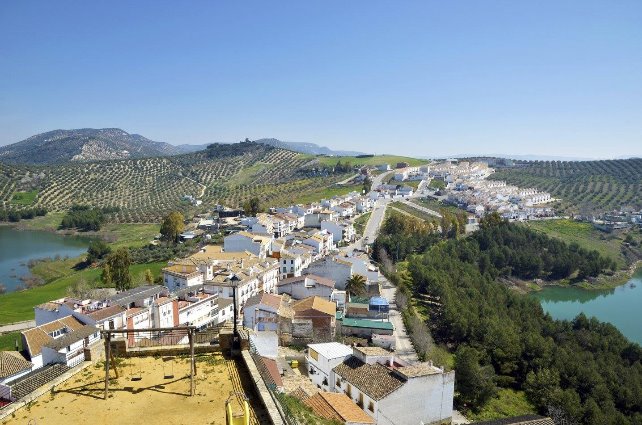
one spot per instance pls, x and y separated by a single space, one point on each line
15 216
580 371
86 218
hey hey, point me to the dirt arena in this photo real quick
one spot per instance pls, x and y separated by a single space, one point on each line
154 399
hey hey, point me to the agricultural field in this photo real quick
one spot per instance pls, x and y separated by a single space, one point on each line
583 187
392 160
24 198
145 189
327 192
584 234
153 399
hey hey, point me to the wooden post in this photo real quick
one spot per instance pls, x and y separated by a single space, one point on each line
107 357
192 366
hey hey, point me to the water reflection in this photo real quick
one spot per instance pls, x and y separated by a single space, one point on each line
617 306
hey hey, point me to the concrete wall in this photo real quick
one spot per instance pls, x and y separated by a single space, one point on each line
431 397
262 314
331 269
298 290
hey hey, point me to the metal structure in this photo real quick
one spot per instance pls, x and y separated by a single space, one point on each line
158 334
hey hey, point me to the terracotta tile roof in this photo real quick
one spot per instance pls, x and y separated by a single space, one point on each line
271 371
163 300
346 408
38 337
182 269
322 408
374 380
271 300
300 394
107 312
12 362
315 303
72 337
134 311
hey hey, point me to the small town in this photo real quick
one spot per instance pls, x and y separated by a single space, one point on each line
321 213
295 287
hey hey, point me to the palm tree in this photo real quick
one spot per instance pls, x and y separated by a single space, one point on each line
356 285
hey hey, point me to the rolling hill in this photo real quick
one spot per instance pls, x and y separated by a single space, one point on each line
584 187
86 144
307 148
146 188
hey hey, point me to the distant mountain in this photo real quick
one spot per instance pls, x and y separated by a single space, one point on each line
191 148
308 148
86 144
524 157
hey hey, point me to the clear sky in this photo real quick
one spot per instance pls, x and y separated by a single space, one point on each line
424 78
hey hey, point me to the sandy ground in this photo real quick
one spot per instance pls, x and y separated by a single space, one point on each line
154 399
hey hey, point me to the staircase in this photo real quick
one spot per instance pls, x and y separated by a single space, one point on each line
36 379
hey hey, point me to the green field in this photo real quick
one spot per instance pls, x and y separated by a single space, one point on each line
8 341
413 211
360 223
392 160
436 205
437 184
24 198
325 193
584 234
117 234
18 306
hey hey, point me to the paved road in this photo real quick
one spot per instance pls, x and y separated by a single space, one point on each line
372 226
18 326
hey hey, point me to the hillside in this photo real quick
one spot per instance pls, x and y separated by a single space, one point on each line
585 187
87 144
307 148
147 188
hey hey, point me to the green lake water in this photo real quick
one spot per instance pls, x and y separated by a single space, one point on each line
17 247
620 306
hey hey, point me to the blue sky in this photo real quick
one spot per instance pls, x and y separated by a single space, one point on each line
423 78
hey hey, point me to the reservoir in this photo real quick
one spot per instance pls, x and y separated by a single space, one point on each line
17 247
619 306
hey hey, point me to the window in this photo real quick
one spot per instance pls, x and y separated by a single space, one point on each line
371 406
360 402
338 383
349 390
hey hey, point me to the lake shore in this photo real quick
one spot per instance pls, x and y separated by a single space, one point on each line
600 283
